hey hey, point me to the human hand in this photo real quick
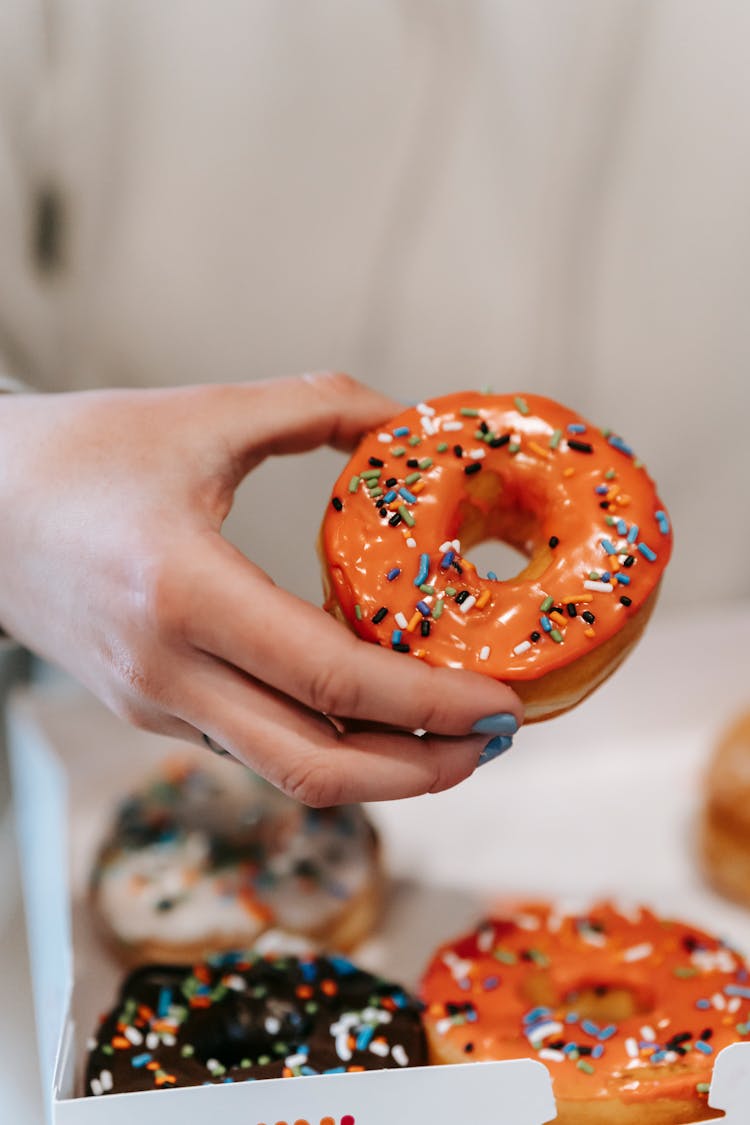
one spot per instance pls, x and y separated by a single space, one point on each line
113 566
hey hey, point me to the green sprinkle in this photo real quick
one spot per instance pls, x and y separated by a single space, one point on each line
480 435
443 447
187 1050
426 589
425 463
610 474
505 956
514 447
450 591
539 958
375 491
437 609
607 432
703 1087
412 477
548 602
415 440
354 484
246 1062
311 1007
398 451
585 1066
556 636
406 515
369 474
554 441
486 390
264 1060
520 405
610 521
594 575
108 1049
469 412
684 972
281 1048
637 464
358 611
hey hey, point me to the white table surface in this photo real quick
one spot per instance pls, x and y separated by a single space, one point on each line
601 800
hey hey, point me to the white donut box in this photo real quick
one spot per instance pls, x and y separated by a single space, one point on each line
599 802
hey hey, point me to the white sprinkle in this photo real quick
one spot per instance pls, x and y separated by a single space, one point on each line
478 454
430 427
734 1004
485 938
272 1025
342 1046
718 1001
400 620
670 1057
543 1031
549 1055
385 438
295 1060
420 732
168 1039
133 1035
211 1064
443 1026
459 968
600 587
411 542
423 408
235 982
631 1047
456 545
374 1015
484 652
380 1048
90 1044
593 937
96 1086
106 1080
400 1055
445 546
638 952
527 921
467 604
523 647
453 426
152 1040
648 1034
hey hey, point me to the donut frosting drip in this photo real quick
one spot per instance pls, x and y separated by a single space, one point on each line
512 988
220 852
239 1017
468 466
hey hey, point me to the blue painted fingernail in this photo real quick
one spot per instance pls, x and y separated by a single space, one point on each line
502 723
494 748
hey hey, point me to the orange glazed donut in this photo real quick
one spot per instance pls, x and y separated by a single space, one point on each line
627 1012
442 477
725 828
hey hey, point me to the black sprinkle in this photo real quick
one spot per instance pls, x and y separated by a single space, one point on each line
571 609
604 504
458 450
676 1040
629 560
706 1034
553 542
165 904
412 463
535 636
557 609
401 646
588 617
625 600
583 1049
391 481
376 463
468 1048
461 596
473 468
380 502
337 503
395 520
580 446
498 441
484 427
690 943
383 513
425 627
379 615
457 566
557 1044
601 990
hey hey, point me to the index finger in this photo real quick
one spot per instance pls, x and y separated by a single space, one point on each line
241 617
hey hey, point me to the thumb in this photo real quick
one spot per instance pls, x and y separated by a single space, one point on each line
297 413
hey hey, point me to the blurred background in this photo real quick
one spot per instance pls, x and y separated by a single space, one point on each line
539 195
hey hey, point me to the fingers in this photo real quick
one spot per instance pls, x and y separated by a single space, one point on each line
301 753
295 414
241 617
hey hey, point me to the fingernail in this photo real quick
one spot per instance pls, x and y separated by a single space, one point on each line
502 723
494 748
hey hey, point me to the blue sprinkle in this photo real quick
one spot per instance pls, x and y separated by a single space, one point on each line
423 608
393 573
633 533
608 547
618 443
605 576
309 972
703 1047
663 521
546 623
396 636
140 1060
622 527
409 497
491 575
608 1032
335 1070
364 1037
704 1005
535 1014
658 1056
165 999
647 552
576 428
570 1049
447 559
344 968
597 1051
472 1016
401 431
572 1017
737 990
390 496
490 982
589 1027
623 579
465 984
424 570
601 490
307 1071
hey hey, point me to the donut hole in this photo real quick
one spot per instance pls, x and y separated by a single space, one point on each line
603 1001
503 528
235 1029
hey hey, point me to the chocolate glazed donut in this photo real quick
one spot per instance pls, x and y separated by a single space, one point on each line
239 1017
